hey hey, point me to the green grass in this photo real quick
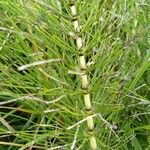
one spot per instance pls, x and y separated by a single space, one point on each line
41 107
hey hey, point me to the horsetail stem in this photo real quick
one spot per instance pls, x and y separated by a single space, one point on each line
83 75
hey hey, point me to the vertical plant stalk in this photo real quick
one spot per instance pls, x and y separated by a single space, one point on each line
83 75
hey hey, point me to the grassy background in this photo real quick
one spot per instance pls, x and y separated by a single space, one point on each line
116 39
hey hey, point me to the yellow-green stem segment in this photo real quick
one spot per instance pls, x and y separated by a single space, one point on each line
84 76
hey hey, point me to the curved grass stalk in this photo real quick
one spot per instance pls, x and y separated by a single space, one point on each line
23 67
83 75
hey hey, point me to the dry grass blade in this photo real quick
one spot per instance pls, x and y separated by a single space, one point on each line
21 68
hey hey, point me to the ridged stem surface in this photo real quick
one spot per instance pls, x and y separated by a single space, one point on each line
84 75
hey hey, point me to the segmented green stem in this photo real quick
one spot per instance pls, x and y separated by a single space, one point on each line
83 75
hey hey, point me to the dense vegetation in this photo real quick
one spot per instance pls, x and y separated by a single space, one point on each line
41 92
